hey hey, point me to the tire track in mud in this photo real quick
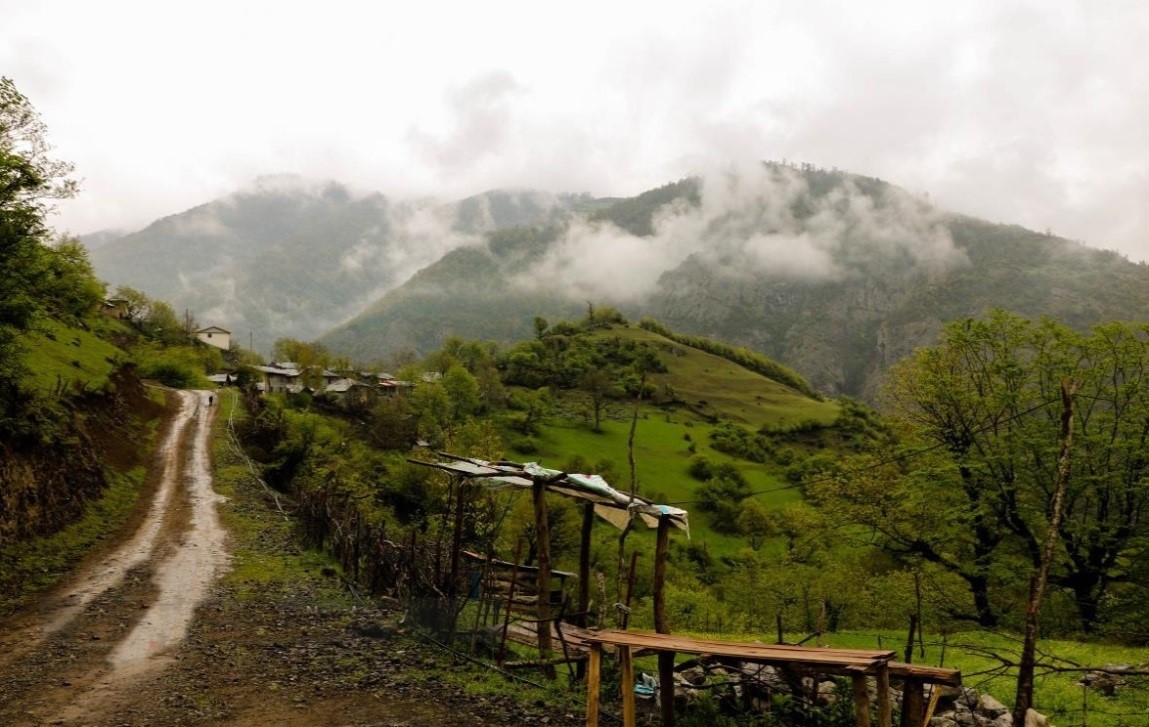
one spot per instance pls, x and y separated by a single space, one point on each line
110 572
180 543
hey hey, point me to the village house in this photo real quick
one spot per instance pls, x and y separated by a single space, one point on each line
280 378
115 308
214 336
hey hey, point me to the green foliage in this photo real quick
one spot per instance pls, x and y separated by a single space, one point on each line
701 469
733 439
30 565
743 357
181 367
984 407
722 496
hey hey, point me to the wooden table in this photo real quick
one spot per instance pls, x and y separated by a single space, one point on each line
857 664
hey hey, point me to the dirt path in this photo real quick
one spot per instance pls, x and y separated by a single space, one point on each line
150 635
115 621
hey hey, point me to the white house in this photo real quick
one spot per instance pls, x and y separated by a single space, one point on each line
214 336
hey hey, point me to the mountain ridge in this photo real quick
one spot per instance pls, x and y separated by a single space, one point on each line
834 274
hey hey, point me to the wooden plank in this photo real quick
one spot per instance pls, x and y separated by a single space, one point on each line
927 674
829 660
627 685
593 677
528 636
666 687
861 698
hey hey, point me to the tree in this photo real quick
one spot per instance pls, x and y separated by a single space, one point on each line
136 303
598 385
311 358
29 182
463 390
988 397
754 522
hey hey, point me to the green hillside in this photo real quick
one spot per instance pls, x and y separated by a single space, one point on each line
696 395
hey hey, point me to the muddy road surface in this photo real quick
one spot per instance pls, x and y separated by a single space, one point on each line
116 620
147 632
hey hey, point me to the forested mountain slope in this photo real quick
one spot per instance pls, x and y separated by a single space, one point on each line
833 274
292 258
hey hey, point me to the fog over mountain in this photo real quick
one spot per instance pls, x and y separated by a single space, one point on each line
292 257
747 222
836 275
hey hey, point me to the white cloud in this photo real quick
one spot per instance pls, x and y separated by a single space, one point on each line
1020 111
746 224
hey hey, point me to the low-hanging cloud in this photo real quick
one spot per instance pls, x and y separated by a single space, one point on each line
754 221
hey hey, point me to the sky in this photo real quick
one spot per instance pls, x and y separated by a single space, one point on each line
1034 113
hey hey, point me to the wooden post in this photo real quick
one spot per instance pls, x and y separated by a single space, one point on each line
593 677
502 657
456 539
883 685
861 697
913 703
781 640
627 685
584 564
583 617
543 583
456 555
665 659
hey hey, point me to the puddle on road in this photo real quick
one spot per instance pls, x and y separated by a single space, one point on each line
111 570
185 578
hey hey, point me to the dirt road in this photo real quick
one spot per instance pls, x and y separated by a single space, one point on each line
147 633
116 620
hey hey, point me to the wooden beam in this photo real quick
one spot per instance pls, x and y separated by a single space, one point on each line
626 683
502 656
593 677
861 698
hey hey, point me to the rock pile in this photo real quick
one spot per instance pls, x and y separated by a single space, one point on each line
750 686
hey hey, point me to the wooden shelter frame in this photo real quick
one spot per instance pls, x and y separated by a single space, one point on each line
598 498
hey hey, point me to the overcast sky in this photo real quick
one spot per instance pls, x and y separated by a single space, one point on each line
1028 112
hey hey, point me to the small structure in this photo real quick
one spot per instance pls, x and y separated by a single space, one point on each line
277 379
115 308
857 664
214 336
598 498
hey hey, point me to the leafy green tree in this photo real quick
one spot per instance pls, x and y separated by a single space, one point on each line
311 358
987 399
598 387
463 390
30 180
754 522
